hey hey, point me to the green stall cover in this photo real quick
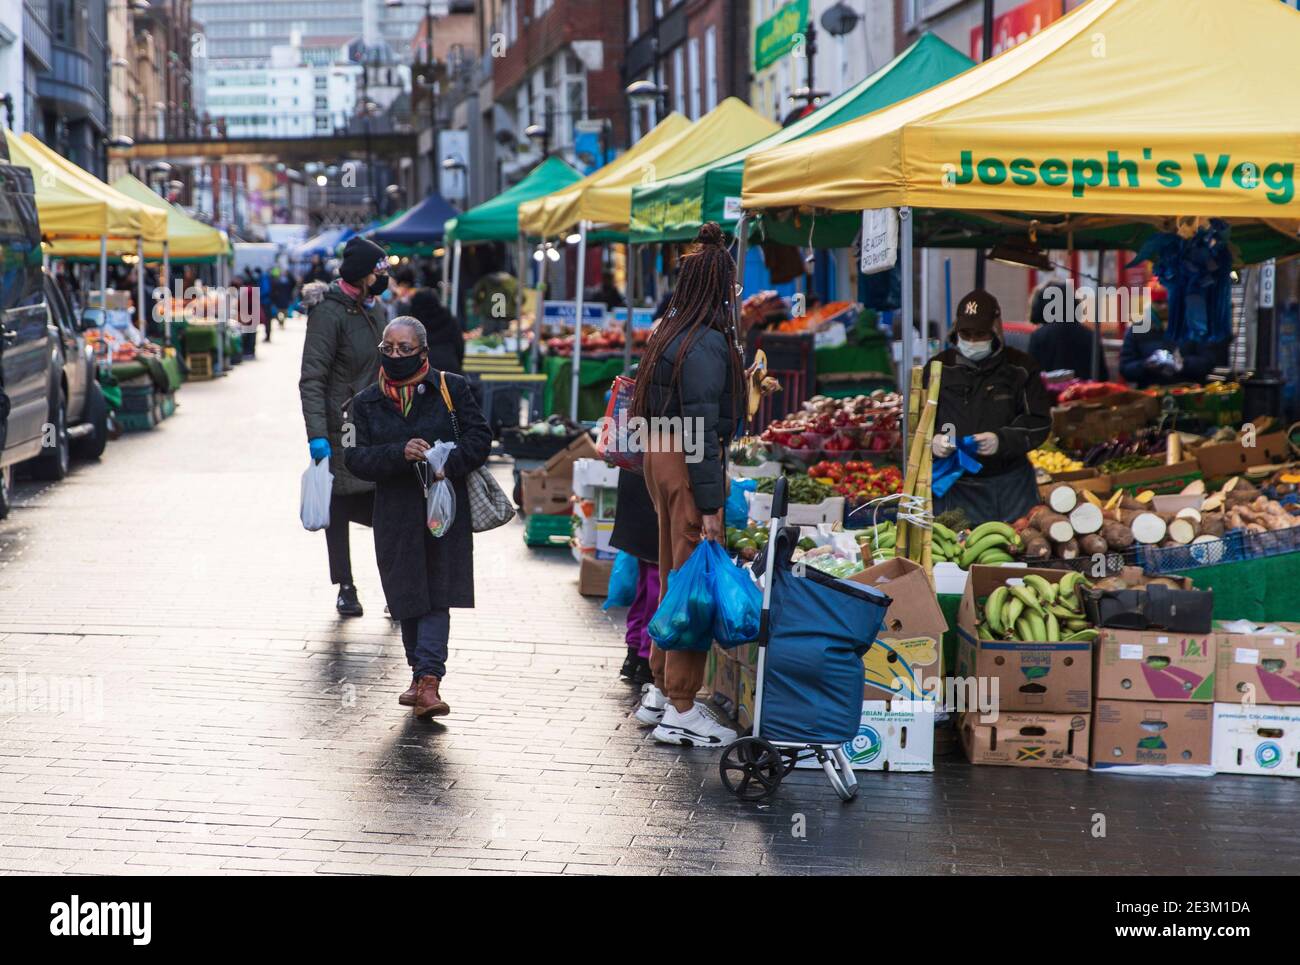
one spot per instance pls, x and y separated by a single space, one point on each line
498 219
674 209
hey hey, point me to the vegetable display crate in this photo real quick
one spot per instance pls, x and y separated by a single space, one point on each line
1158 560
1115 562
167 404
1161 486
548 529
522 444
199 365
1270 543
138 397
136 421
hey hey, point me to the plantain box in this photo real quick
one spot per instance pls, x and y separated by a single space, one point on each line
1047 741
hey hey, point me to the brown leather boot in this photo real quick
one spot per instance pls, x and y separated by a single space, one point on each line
407 698
428 703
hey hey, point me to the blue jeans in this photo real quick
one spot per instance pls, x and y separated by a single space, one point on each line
425 639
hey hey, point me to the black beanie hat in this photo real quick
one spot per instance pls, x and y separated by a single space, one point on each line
360 256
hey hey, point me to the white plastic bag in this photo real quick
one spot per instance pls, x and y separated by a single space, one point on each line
317 485
439 497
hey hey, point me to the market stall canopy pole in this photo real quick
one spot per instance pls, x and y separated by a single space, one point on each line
580 292
672 209
1122 107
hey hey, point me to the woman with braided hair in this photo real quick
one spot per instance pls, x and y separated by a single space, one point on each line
692 373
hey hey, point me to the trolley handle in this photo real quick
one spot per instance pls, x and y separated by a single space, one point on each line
779 498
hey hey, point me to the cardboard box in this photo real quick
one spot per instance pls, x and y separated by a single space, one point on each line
561 464
893 736
1090 421
541 493
746 681
1101 485
830 510
1168 477
914 611
1155 665
1258 739
726 684
1049 678
1040 676
591 474
1051 741
593 576
1150 733
1230 458
1261 667
908 669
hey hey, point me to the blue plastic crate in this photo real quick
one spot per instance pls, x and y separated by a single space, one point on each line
1157 560
1271 543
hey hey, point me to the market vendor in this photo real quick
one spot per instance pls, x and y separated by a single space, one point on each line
1150 357
994 394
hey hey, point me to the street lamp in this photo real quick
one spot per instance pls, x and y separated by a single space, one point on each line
540 136
643 93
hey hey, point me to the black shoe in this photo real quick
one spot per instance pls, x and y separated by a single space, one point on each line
642 675
348 605
629 666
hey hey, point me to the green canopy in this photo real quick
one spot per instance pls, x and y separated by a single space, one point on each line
674 209
498 219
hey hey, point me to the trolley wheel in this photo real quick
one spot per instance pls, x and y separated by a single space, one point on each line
751 768
830 765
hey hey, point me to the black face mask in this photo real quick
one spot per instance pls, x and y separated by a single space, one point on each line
402 368
379 286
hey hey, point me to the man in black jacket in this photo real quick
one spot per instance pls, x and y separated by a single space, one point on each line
995 394
1150 357
1061 341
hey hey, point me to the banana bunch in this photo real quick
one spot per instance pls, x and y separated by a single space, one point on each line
1037 609
879 540
987 544
945 545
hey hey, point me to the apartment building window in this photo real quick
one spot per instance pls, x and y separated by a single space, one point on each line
693 65
710 68
679 80
633 19
509 13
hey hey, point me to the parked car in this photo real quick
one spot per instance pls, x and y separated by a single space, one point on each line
47 376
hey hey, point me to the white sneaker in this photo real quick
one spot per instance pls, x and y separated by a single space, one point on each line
651 709
695 728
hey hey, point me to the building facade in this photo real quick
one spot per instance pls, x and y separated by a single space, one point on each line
248 29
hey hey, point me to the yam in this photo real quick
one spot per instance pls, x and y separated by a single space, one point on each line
1182 531
1149 528
1212 526
1093 544
1117 536
1067 549
1086 518
1194 488
1040 517
1063 499
1212 503
1060 531
1187 512
1036 545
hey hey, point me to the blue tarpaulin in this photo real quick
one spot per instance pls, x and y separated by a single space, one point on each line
423 225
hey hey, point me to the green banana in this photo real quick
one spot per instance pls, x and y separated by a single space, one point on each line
993 609
975 547
1045 589
1088 635
1011 614
1037 628
1076 623
886 541
1053 628
1062 612
1028 597
994 557
1024 631
993 526
941 530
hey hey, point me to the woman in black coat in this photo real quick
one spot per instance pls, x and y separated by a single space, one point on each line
396 420
446 340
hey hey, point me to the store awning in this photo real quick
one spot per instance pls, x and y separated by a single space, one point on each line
1123 109
605 196
419 230
498 219
188 239
126 218
673 209
323 243
65 209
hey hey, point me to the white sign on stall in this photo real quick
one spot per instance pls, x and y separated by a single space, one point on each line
879 240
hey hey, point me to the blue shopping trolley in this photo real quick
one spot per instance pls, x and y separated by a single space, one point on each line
808 697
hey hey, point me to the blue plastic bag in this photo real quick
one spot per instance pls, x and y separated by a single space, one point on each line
684 620
949 469
737 510
739 602
622 581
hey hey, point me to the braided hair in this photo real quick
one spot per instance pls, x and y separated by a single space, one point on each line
702 299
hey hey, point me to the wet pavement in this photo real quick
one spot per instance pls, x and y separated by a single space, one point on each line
182 698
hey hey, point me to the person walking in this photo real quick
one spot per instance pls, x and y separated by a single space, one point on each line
397 419
340 357
692 370
636 531
446 340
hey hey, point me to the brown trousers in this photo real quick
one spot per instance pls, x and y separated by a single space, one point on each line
678 673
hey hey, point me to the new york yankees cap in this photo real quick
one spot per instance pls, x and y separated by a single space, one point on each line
978 311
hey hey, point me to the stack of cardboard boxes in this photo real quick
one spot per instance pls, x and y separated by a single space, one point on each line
1256 727
1025 704
546 498
595 500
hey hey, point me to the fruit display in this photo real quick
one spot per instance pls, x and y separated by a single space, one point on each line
858 481
878 541
858 423
747 451
1128 463
1035 609
1052 461
761 308
801 488
1149 441
597 340
745 543
1087 389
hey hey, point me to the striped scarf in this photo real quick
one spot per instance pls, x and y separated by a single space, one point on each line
402 393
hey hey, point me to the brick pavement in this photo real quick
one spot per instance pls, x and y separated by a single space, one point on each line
228 723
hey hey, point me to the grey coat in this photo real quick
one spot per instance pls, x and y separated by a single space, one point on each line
339 358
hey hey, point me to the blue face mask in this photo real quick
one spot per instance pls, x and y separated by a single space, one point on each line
975 351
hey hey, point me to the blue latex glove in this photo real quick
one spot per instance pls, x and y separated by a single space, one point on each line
320 448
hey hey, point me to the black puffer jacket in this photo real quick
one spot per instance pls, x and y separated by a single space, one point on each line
704 397
1003 394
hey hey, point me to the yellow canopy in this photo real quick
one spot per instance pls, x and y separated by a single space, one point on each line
188 239
1123 107
65 208
121 218
675 145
